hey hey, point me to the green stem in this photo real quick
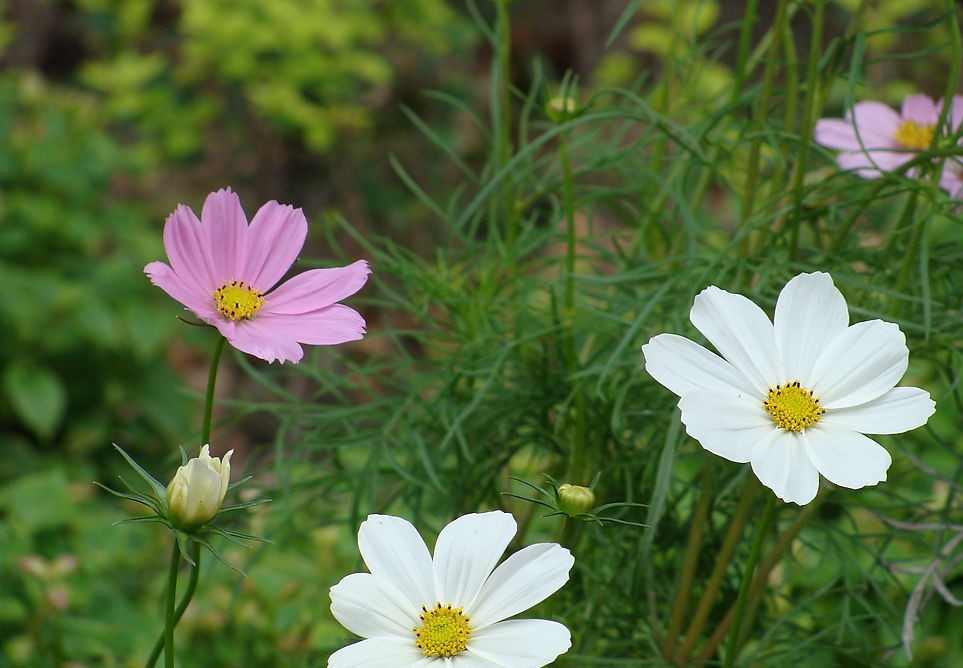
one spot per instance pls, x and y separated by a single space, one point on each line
808 121
576 467
689 563
732 645
209 396
723 559
169 611
757 588
761 113
182 606
502 113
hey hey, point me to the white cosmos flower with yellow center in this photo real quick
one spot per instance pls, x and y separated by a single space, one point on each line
415 611
795 396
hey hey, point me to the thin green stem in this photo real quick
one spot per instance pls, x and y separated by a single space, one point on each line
723 559
182 606
732 645
808 120
169 611
757 587
209 396
689 563
502 113
760 114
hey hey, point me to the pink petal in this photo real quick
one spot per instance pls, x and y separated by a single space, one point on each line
187 250
327 326
956 113
875 124
920 109
275 238
836 133
225 227
168 280
316 289
872 165
952 179
261 340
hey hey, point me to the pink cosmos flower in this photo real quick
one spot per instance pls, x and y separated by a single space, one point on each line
224 270
874 138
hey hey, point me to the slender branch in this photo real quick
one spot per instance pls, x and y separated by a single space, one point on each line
182 606
169 610
723 559
209 396
691 560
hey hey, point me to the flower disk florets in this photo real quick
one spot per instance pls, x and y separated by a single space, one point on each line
913 135
444 631
237 300
793 407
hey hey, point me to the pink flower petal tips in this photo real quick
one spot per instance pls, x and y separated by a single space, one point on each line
224 270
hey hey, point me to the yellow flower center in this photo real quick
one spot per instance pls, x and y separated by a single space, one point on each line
793 407
237 300
913 135
444 631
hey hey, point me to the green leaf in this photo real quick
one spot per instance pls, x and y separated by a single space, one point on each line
38 397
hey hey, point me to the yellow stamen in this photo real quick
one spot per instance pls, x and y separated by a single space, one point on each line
793 407
444 631
914 136
237 300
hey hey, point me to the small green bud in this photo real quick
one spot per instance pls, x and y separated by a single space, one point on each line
561 108
575 499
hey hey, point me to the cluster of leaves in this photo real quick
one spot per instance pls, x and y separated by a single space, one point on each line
81 341
311 71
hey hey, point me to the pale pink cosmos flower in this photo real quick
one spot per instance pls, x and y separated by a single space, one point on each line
874 138
224 270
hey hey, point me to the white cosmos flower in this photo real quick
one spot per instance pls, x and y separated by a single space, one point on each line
450 611
793 397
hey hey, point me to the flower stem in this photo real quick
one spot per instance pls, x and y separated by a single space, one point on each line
689 563
732 645
209 396
169 611
576 466
762 573
502 114
182 606
723 559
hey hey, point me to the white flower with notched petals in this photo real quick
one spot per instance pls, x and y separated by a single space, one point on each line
449 611
793 397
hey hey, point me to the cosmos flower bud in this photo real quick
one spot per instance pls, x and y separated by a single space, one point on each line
575 499
195 494
561 108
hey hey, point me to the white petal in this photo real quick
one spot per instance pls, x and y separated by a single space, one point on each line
521 643
728 426
862 363
683 365
527 577
741 332
370 607
393 550
899 410
470 660
380 653
846 458
810 313
782 464
466 553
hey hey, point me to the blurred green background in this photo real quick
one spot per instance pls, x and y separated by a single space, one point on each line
361 112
